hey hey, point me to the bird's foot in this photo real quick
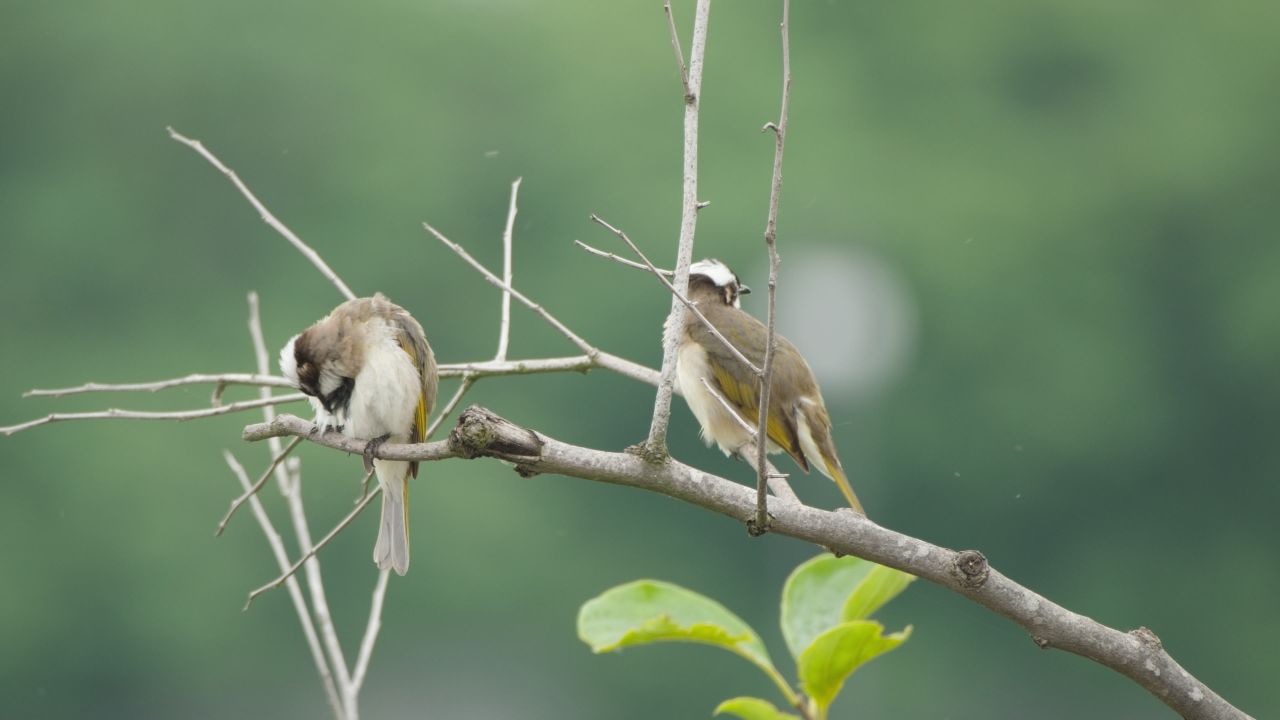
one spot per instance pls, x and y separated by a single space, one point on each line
370 448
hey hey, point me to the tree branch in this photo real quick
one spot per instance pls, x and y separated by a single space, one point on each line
309 556
179 415
675 45
290 484
193 379
770 240
265 214
295 591
504 329
657 442
618 258
1137 654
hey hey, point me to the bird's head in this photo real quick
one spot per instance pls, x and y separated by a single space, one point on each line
711 274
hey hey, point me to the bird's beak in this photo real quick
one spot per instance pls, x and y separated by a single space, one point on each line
744 290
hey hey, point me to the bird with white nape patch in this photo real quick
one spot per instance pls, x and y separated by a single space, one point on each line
370 374
796 421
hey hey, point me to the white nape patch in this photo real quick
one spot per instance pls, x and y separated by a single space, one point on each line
719 273
289 361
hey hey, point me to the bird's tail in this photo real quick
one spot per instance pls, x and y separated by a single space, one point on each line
836 473
392 548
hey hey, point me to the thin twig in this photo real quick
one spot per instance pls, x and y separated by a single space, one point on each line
291 488
656 444
179 415
295 590
463 387
777 480
771 241
675 45
266 215
193 379
371 631
618 258
692 306
311 552
583 345
266 475
504 330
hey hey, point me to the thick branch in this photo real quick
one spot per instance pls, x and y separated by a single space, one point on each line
1137 654
657 442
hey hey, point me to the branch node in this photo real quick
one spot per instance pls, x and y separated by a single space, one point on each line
755 529
1040 642
1147 638
701 204
653 456
970 568
481 433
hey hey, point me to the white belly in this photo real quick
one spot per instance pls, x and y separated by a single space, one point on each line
718 425
385 398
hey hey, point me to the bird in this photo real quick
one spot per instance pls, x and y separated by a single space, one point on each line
797 420
370 374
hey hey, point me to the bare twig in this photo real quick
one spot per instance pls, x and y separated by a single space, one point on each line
657 441
253 490
675 45
504 330
193 379
618 258
179 415
691 306
770 240
310 555
467 382
291 488
777 481
371 631
583 345
266 215
295 590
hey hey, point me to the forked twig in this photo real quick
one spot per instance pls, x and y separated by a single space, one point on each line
311 553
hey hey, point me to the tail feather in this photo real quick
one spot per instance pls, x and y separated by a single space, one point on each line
836 473
392 549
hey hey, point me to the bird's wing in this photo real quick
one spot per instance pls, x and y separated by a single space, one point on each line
739 385
414 342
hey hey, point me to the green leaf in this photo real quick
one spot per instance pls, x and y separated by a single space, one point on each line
836 653
879 586
815 596
749 708
648 611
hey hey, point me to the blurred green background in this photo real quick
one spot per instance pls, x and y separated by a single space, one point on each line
1040 241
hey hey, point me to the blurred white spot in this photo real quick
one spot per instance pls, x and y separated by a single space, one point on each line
849 313
491 153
